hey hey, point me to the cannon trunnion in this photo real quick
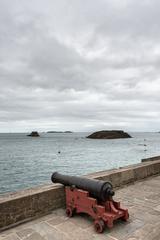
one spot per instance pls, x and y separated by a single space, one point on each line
93 197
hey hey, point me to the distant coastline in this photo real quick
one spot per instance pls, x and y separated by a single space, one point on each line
59 132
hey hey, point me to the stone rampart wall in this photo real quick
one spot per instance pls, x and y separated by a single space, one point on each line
32 203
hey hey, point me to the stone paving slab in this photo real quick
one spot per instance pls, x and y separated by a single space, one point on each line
142 199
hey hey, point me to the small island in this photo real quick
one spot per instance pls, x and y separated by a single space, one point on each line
109 134
33 134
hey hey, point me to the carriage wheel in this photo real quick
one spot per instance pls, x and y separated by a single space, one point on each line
99 226
69 212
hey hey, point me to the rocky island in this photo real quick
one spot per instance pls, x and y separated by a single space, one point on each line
33 134
109 134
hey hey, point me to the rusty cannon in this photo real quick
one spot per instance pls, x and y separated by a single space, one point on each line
94 197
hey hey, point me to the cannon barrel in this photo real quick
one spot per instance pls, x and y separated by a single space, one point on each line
97 188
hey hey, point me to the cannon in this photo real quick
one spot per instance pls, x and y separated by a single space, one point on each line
94 197
100 189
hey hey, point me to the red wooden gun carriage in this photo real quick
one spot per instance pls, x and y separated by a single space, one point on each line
94 197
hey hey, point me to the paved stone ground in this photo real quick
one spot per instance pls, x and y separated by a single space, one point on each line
142 199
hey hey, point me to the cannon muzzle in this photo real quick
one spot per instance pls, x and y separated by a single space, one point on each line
97 188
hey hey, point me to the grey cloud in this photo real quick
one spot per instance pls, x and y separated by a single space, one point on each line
69 64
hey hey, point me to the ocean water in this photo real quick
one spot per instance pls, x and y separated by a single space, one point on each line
26 162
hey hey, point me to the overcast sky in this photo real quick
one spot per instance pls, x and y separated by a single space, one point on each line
79 65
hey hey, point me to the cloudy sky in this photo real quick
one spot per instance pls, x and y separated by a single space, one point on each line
79 65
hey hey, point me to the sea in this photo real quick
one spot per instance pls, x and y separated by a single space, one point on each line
27 161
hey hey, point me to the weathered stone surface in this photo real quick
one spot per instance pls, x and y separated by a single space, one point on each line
25 233
34 236
147 232
82 220
157 208
57 220
25 206
49 232
143 224
73 232
33 203
106 134
10 237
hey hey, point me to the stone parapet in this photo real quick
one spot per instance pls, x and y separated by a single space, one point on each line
28 204
151 159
